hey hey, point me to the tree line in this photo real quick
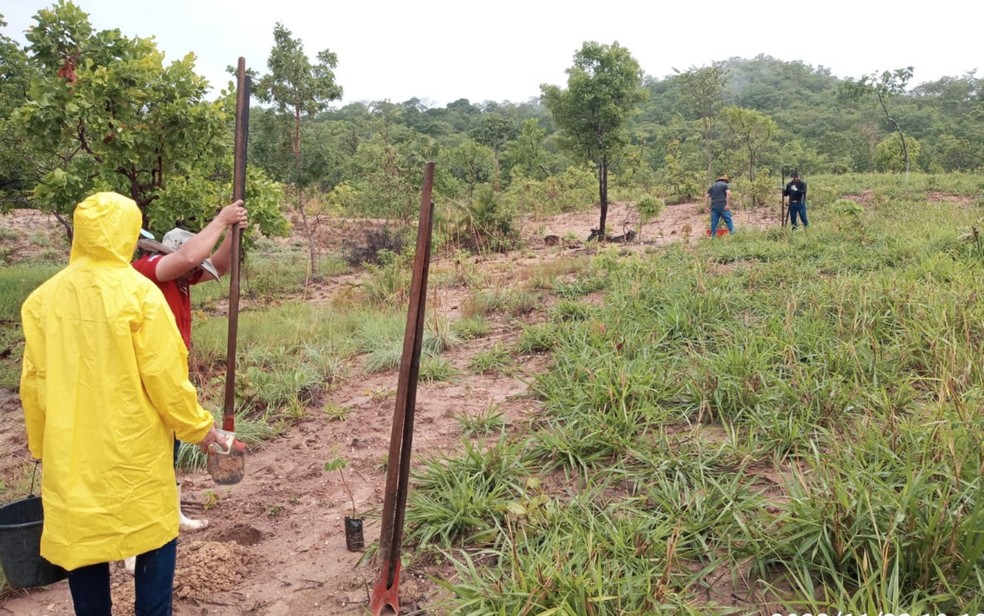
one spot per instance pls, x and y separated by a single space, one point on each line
82 110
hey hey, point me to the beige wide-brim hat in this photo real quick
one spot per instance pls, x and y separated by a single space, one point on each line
172 241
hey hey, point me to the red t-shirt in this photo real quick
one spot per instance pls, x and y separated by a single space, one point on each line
176 292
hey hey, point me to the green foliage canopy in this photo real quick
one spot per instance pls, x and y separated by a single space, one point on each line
16 73
108 114
296 86
603 92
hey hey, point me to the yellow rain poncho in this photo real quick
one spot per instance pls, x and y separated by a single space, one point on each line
104 385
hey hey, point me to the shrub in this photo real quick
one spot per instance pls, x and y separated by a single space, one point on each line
377 241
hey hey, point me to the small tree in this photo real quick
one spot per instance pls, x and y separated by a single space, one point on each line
704 90
299 88
526 155
752 130
604 89
109 115
339 464
494 131
683 184
883 87
17 175
890 153
472 164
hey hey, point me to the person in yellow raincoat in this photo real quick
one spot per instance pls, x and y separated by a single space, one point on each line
105 388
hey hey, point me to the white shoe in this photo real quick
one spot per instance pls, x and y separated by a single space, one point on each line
185 523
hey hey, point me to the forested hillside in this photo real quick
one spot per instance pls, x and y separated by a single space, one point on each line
81 108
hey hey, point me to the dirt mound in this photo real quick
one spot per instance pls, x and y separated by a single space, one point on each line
210 566
204 569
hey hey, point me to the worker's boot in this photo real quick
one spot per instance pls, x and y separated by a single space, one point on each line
185 523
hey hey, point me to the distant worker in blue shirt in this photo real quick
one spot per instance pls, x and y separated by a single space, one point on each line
795 193
719 198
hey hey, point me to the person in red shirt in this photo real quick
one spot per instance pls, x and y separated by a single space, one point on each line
182 259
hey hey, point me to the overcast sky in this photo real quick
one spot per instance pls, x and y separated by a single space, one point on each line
502 50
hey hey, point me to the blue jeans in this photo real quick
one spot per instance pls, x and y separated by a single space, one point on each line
153 580
717 215
798 208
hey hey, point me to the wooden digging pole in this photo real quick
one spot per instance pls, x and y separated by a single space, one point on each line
238 192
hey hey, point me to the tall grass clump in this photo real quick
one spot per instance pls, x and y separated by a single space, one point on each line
436 369
537 338
17 282
577 555
495 359
380 336
288 357
578 287
464 499
891 513
389 278
470 328
273 277
788 412
483 423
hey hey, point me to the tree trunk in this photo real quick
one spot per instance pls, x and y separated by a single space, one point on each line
898 129
603 197
309 233
496 170
297 137
707 150
308 230
905 148
69 231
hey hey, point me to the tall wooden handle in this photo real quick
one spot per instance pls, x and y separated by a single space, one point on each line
238 192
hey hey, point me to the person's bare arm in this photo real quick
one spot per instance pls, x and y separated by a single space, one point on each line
191 254
222 258
727 199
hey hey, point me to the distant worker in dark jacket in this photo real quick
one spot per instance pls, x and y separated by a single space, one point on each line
718 197
795 194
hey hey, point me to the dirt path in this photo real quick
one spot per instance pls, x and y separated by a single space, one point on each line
276 544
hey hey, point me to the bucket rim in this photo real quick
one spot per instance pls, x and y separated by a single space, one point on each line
19 525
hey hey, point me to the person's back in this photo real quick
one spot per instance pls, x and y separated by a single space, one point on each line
174 265
719 194
104 386
719 198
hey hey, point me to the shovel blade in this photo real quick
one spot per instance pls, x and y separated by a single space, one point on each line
385 599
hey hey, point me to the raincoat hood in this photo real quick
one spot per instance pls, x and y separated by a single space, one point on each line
106 228
104 387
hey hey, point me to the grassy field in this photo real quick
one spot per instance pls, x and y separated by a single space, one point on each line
777 421
788 422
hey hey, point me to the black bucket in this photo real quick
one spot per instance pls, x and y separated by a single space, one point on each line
20 545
